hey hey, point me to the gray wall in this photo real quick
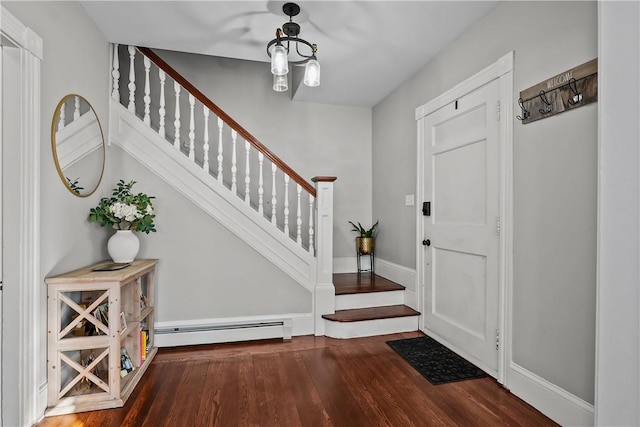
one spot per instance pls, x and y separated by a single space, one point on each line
205 271
555 181
76 59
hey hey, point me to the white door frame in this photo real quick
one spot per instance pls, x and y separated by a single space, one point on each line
32 389
502 69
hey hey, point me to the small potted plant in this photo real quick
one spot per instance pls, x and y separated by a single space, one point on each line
126 212
366 241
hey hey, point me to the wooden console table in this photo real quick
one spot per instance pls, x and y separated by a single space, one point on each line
100 335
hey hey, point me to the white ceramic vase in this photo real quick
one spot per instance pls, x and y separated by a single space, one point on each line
123 246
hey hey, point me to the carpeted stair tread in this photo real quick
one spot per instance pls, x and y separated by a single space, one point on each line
354 283
371 313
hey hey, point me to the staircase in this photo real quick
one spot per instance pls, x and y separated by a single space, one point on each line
224 171
366 305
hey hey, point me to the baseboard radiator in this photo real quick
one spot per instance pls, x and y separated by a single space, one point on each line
173 336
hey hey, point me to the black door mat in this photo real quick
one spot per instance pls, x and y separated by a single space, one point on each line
434 361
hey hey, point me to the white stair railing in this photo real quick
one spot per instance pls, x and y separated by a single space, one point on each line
192 140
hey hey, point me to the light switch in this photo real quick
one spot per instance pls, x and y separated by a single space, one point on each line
408 200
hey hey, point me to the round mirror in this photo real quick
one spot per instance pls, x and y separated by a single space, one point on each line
78 145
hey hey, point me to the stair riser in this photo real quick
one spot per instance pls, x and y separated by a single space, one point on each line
367 328
371 299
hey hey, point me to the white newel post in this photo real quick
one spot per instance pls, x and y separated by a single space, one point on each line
324 294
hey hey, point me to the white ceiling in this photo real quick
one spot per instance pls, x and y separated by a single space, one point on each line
366 48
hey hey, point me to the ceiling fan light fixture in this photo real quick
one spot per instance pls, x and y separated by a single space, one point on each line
279 62
312 73
286 45
280 83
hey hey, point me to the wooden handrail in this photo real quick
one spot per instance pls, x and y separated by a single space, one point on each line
226 118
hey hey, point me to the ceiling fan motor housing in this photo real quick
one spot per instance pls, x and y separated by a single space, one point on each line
290 9
291 29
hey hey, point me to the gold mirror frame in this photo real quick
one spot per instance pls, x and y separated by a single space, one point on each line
76 143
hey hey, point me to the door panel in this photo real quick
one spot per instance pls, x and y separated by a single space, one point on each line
461 179
461 197
459 292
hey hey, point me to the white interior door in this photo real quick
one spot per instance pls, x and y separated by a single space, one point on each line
462 244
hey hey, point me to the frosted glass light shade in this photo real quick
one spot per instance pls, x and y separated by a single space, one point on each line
279 64
280 83
312 73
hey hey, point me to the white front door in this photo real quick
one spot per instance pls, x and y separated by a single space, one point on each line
461 145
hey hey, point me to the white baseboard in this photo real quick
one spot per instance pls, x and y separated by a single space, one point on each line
233 329
553 401
403 275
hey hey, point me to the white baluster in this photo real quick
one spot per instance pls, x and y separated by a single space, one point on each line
76 108
205 146
274 199
311 248
147 92
220 123
234 162
286 205
299 217
63 116
176 122
115 73
192 128
247 174
260 185
132 80
161 111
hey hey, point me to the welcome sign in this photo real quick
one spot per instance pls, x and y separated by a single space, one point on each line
565 91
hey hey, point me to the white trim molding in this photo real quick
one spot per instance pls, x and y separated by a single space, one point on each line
32 384
555 402
502 66
20 35
324 295
78 139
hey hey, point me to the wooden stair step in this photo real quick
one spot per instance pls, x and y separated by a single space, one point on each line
371 313
354 283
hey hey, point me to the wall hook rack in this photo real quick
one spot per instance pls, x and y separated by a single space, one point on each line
566 91
525 113
577 96
547 107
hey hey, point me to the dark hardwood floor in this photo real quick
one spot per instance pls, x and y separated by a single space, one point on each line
307 381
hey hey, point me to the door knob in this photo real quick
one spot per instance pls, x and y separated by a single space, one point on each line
426 242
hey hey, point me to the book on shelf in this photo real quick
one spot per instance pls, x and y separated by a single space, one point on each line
143 346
